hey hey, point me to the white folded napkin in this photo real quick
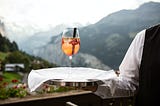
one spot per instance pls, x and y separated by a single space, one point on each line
67 74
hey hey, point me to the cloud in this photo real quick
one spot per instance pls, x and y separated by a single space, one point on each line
52 12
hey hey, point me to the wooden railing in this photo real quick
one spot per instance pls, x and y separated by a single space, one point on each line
83 98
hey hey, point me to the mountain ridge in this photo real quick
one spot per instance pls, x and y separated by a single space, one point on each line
108 39
118 28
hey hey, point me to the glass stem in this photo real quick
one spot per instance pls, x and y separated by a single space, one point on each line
70 58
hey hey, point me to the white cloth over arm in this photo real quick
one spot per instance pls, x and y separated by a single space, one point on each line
128 80
67 74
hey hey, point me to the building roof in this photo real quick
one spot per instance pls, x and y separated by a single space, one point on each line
15 64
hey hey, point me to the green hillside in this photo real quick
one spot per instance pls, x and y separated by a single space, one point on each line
9 53
3 56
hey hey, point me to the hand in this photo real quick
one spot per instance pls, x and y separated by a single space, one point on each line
117 72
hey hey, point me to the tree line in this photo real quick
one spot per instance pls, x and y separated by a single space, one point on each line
14 55
6 45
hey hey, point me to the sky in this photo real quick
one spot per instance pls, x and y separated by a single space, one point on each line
45 13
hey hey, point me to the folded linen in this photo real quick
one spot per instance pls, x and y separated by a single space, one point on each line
67 74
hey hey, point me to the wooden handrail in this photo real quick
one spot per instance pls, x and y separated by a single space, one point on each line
83 98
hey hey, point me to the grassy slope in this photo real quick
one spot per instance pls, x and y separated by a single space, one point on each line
8 76
3 55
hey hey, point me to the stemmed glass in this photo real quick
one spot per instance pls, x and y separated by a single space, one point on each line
70 42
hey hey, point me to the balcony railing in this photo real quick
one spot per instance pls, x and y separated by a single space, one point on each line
79 98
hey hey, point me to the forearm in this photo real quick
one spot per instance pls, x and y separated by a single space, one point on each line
127 82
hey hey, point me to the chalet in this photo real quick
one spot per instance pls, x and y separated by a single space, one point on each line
14 67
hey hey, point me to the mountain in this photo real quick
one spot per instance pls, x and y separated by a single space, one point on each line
9 53
53 53
41 38
30 35
108 39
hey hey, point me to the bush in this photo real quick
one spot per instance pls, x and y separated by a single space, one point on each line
12 89
17 89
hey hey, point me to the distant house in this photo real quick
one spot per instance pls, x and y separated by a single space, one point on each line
14 67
